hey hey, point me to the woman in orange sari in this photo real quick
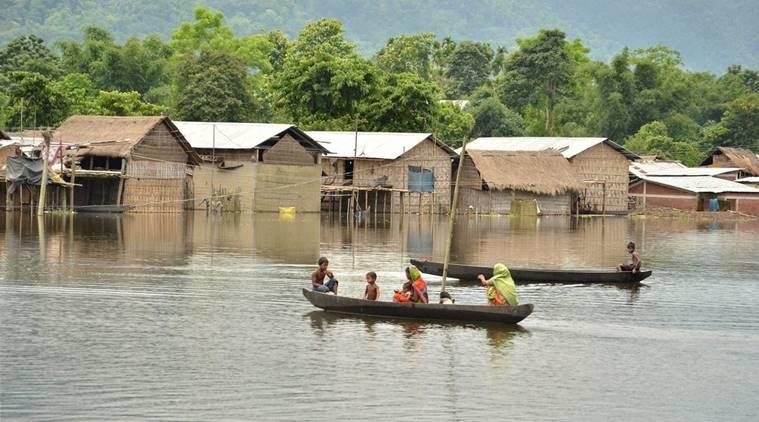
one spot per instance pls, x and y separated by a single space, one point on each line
419 287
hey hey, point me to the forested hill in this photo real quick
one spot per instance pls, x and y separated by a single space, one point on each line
711 35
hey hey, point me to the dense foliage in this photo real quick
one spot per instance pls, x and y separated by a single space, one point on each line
711 35
547 85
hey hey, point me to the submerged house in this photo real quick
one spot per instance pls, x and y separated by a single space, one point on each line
141 162
735 158
254 167
600 164
517 182
397 172
693 193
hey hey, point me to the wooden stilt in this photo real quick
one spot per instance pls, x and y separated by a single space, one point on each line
43 182
452 220
120 191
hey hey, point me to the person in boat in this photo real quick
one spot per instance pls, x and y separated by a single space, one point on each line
371 292
403 295
501 289
419 287
446 299
636 263
318 276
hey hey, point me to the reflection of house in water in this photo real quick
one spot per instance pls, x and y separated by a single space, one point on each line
255 166
599 163
292 239
139 161
521 183
390 171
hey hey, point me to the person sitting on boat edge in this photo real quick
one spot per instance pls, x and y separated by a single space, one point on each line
501 287
419 287
403 295
446 299
636 263
318 276
371 292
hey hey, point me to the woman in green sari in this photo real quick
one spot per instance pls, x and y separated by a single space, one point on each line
501 287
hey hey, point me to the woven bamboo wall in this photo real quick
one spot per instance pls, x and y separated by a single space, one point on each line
154 186
499 202
288 151
159 144
603 162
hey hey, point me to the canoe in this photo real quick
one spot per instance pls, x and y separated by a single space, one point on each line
104 208
525 276
432 311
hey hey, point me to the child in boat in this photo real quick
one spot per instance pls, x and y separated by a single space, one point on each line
634 266
404 295
446 299
372 290
318 276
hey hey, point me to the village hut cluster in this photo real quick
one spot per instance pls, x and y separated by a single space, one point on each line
153 164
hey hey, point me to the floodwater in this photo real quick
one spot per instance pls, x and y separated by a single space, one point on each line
201 318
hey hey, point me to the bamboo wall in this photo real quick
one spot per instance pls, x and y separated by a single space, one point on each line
159 144
480 201
603 162
154 186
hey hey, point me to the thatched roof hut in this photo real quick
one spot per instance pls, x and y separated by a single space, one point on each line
733 157
117 136
541 172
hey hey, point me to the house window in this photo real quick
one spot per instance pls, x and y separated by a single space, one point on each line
420 179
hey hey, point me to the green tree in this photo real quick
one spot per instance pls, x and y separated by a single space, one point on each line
81 94
539 74
34 95
405 103
468 67
323 78
741 123
453 125
492 118
116 103
408 54
213 87
653 139
29 54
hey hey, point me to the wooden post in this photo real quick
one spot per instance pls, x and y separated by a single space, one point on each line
340 203
644 194
603 200
8 197
376 194
73 181
121 181
366 200
420 203
43 183
452 220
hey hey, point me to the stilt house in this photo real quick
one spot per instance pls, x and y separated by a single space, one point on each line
254 167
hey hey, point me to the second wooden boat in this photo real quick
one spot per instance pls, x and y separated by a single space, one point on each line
432 311
525 276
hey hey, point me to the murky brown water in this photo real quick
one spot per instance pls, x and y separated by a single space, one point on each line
201 318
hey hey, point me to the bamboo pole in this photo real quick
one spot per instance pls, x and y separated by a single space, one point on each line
452 213
73 181
121 182
43 183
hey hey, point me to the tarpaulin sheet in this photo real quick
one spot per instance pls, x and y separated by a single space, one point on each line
23 171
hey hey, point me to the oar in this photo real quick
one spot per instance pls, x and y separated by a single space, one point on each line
452 221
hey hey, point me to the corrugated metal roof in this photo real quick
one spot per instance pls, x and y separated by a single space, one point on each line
372 145
645 168
229 135
568 147
748 180
694 171
702 184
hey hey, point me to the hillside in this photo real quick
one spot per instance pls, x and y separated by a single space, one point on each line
711 36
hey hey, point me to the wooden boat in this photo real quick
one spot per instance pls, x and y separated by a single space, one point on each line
525 276
432 311
104 208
